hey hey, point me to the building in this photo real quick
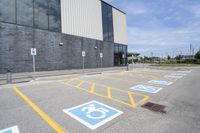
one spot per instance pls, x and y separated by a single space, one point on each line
60 30
133 57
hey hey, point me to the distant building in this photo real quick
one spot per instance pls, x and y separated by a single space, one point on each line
186 57
133 56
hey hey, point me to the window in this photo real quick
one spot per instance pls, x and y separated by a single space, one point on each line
110 24
25 12
120 55
54 16
107 17
7 11
41 14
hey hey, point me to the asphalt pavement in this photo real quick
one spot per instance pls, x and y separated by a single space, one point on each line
108 102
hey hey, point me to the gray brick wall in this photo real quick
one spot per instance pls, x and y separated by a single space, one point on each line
16 42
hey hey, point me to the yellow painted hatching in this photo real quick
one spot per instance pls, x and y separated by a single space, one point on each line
132 103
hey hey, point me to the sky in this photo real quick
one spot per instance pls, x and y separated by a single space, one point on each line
161 27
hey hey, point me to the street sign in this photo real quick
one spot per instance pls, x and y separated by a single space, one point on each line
83 53
101 55
144 88
10 130
160 82
93 114
33 51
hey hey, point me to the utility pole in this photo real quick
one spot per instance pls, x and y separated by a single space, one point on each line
151 57
190 49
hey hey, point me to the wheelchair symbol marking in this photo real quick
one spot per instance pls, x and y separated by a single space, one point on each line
91 108
93 114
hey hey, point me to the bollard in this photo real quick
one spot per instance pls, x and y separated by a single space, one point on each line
9 76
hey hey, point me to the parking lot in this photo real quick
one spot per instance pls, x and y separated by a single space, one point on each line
135 101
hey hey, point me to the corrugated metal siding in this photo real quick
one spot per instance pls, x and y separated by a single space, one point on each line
120 27
82 18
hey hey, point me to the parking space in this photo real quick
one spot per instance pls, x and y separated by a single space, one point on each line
107 102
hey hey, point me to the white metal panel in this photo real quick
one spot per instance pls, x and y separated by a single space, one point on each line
82 18
120 27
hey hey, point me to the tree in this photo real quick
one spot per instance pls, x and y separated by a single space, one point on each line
197 56
168 57
179 57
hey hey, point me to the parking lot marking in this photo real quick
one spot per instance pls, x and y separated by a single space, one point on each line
13 129
141 75
44 116
80 84
160 82
93 114
173 76
132 99
149 89
130 94
125 80
178 74
92 88
109 92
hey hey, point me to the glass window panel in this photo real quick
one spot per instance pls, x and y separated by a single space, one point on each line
7 11
41 14
116 48
54 16
25 12
120 49
107 22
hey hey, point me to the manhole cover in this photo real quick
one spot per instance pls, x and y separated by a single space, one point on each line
154 107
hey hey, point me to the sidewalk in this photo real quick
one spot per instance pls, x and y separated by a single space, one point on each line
28 76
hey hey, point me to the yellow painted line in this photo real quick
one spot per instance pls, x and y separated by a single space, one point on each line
109 92
45 117
131 99
143 100
92 88
81 82
100 95
103 85
108 96
70 80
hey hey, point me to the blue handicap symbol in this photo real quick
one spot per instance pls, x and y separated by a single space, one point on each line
10 130
144 88
93 114
160 82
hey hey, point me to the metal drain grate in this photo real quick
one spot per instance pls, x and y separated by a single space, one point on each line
154 107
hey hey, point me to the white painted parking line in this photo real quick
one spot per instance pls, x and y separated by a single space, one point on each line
160 82
173 76
10 130
93 114
144 88
178 74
